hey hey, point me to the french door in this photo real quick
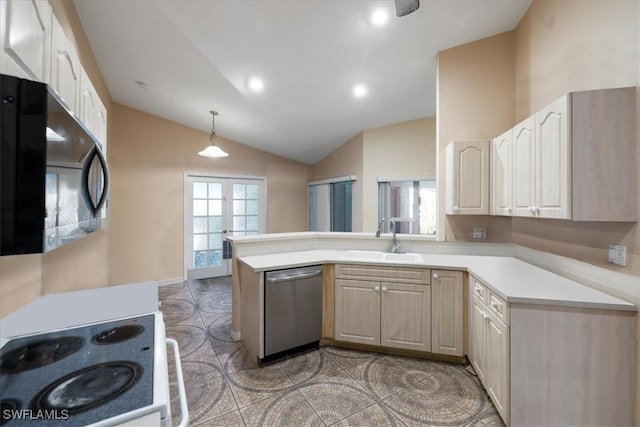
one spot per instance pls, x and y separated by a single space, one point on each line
217 207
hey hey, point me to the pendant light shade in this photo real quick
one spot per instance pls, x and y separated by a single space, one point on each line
212 149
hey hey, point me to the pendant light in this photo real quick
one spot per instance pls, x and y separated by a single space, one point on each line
213 150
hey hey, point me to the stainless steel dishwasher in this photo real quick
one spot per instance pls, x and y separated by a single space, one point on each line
292 310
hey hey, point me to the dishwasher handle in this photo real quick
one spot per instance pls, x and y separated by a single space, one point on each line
308 275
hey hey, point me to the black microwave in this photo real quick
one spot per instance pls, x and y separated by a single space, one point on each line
54 177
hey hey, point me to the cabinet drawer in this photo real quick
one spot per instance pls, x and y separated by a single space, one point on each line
419 276
498 306
478 289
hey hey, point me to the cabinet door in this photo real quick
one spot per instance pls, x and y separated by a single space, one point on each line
25 34
88 102
524 168
497 371
552 161
501 170
468 177
478 338
358 311
446 312
405 316
65 67
100 124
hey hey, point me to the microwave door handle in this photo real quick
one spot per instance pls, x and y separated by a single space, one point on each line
105 185
86 168
86 193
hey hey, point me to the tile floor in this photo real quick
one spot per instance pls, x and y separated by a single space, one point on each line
329 386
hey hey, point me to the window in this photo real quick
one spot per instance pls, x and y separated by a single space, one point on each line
331 205
410 203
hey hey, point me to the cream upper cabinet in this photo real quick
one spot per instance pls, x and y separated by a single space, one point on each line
92 111
541 164
447 312
523 168
25 37
467 180
576 158
552 162
501 174
65 68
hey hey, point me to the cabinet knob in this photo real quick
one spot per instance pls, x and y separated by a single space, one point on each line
435 275
485 315
494 304
456 209
384 289
377 289
508 209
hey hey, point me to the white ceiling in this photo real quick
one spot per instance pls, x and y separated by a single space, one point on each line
198 56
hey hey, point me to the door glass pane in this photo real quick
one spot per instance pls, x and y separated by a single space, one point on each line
215 207
239 207
199 224
199 242
215 190
238 191
252 223
252 191
199 190
252 207
239 223
215 224
215 241
200 207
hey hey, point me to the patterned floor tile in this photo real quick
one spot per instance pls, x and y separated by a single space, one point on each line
308 366
176 310
216 303
190 338
489 418
232 419
417 369
446 398
376 415
335 398
252 385
381 377
174 290
208 393
286 409
345 357
232 356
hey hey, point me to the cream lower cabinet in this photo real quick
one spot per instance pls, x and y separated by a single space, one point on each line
489 346
383 312
447 336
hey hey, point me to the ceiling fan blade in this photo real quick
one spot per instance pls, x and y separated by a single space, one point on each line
405 7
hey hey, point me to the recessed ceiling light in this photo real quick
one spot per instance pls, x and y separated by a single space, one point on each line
256 84
379 17
359 90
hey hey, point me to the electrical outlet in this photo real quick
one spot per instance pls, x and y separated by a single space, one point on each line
618 255
479 233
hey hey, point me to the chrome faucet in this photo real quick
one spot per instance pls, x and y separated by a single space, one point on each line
395 246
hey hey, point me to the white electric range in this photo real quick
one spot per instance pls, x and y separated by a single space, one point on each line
88 358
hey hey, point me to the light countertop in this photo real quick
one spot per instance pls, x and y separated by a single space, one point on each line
514 280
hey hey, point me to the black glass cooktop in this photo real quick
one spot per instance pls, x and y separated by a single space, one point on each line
77 376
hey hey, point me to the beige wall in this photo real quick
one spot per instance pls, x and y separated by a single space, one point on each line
346 160
404 149
149 157
564 46
475 100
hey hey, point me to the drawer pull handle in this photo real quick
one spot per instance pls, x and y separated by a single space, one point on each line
384 289
435 276
477 289
494 305
485 315
377 289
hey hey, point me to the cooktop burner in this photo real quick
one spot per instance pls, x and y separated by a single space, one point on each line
118 334
88 387
37 354
78 376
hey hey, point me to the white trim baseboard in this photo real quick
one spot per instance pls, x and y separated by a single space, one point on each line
235 336
172 281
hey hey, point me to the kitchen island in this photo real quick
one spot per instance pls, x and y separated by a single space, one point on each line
548 349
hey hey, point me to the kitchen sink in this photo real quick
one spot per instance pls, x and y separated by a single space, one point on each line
383 256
